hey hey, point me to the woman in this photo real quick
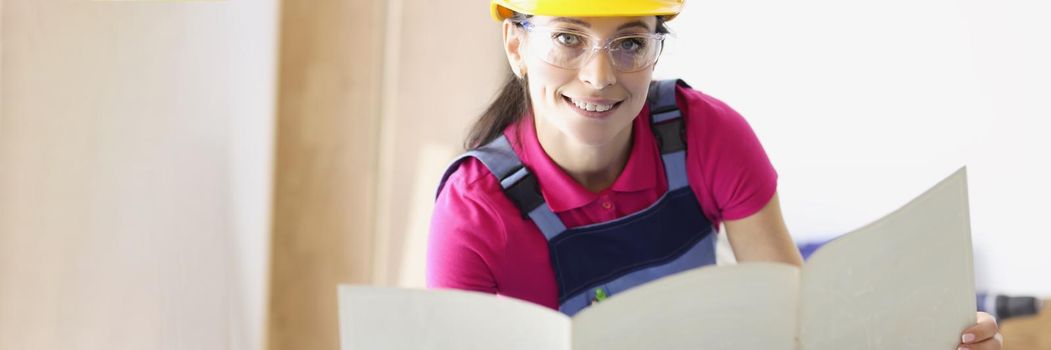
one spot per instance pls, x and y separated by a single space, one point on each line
580 161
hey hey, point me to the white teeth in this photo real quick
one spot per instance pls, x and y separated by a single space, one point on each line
591 107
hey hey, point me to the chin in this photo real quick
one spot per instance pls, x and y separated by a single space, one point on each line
591 135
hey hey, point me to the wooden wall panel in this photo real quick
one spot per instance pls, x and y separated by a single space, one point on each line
328 110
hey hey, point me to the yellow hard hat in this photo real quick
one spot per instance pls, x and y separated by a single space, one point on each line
502 9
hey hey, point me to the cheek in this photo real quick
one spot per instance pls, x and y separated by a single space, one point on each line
638 85
546 80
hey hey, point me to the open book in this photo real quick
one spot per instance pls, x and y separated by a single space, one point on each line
902 282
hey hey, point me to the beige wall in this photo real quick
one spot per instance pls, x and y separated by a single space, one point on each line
135 170
444 64
137 143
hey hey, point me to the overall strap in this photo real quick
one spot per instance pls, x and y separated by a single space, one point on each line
669 129
518 183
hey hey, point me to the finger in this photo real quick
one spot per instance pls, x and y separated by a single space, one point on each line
984 330
995 343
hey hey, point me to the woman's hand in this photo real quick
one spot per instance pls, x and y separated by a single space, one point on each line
983 336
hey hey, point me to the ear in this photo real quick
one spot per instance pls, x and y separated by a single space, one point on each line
513 39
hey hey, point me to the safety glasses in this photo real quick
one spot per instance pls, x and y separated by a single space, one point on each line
571 49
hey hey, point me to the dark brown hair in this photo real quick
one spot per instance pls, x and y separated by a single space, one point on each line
512 101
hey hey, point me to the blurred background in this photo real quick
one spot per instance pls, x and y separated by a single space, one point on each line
201 174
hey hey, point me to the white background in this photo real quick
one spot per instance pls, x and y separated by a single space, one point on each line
863 105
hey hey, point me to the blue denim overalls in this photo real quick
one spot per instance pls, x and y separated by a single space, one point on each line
596 261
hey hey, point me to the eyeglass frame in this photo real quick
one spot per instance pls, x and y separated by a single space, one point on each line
593 50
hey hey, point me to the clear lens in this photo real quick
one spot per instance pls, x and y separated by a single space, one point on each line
634 53
571 50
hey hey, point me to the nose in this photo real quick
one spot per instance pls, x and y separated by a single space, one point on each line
598 71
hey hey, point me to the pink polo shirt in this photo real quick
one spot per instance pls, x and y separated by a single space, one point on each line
479 241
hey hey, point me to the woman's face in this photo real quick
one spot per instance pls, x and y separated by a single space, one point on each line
594 101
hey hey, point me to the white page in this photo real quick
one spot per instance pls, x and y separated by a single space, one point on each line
745 306
903 282
419 319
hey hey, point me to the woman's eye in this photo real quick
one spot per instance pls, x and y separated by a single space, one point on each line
631 44
566 39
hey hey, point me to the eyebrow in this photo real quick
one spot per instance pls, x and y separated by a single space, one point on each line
633 24
588 25
572 21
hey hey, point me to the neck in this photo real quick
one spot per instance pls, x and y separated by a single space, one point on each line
595 167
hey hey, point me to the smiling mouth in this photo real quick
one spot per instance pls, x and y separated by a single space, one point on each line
591 107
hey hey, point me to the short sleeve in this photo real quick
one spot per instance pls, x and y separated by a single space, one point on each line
735 171
457 254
